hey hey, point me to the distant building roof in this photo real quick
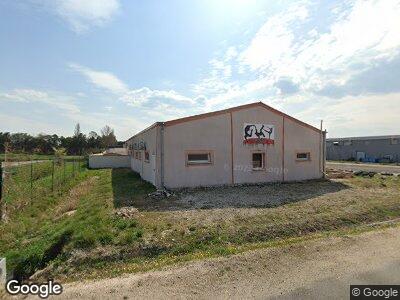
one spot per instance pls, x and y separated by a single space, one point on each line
116 151
364 138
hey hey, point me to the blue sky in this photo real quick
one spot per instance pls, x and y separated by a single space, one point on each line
131 63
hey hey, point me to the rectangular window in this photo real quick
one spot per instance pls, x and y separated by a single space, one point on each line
394 141
139 155
146 156
258 161
303 156
198 158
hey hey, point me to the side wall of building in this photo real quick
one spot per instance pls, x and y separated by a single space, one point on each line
207 134
148 141
374 148
300 139
108 161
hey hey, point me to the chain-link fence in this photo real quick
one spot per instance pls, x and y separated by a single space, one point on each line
23 182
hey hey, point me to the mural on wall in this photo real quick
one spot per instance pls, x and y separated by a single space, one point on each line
139 146
258 134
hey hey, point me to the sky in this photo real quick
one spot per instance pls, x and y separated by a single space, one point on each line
129 63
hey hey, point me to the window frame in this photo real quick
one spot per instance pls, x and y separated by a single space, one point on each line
148 154
263 161
138 155
189 163
308 153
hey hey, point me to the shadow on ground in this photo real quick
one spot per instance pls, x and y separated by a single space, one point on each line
130 190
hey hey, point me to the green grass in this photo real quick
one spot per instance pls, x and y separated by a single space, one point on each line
93 242
43 233
24 184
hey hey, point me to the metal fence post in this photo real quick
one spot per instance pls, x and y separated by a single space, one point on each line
3 204
31 180
1 189
52 177
63 170
1 180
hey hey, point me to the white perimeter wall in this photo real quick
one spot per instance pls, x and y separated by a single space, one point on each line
104 161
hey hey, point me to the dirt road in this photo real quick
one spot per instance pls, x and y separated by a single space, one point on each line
313 269
364 167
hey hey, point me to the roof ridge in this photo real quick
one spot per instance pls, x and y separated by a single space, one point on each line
236 108
223 111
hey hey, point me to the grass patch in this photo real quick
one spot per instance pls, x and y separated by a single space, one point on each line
96 242
44 233
28 184
179 234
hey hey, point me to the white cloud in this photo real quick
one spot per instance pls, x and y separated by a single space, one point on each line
274 41
81 15
143 95
56 100
134 97
231 53
356 116
292 56
24 95
102 79
367 31
15 123
66 114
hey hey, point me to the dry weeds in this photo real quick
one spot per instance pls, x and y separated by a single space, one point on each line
69 205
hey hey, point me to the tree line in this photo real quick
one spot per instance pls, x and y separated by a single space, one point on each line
78 144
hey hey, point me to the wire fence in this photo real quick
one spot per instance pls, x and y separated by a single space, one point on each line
24 181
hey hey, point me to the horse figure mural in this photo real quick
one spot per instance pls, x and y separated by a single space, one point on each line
257 134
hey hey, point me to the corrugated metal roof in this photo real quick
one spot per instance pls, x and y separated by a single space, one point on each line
364 138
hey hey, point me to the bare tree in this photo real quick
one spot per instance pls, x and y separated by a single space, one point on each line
108 136
77 131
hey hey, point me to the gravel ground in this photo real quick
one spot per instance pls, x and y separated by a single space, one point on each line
320 269
252 196
207 206
364 167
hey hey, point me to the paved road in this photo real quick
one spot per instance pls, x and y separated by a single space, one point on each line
364 167
317 269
